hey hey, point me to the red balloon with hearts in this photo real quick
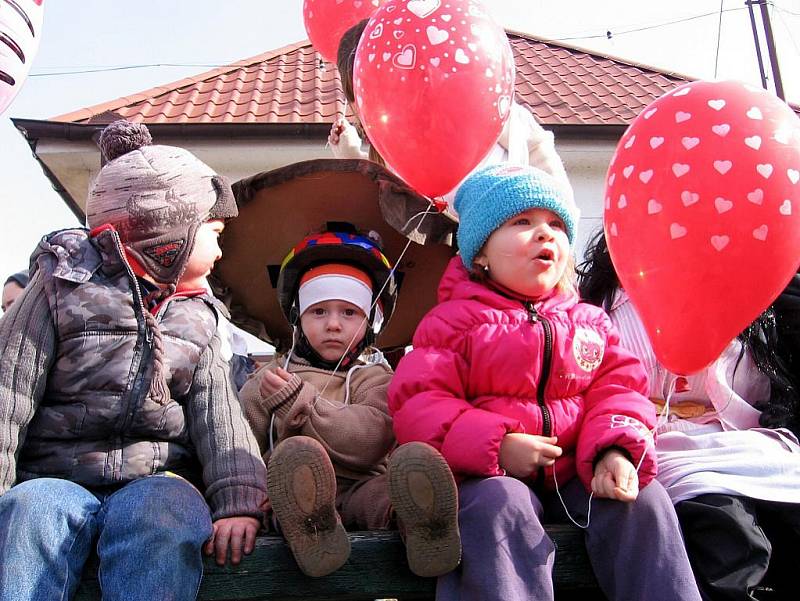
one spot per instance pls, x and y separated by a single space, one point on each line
433 81
702 215
327 20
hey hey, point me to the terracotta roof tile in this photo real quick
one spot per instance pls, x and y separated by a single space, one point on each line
561 84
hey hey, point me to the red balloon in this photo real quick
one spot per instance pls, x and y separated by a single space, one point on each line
327 20
434 82
702 215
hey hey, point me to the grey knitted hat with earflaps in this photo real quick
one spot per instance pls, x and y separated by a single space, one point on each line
155 197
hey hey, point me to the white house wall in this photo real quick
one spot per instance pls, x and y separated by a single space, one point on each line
75 164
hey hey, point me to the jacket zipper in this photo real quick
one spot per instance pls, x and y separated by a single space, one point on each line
533 317
139 380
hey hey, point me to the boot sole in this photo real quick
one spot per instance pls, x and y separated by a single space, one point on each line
425 498
302 489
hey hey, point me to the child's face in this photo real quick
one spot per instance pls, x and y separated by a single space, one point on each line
205 253
528 253
331 325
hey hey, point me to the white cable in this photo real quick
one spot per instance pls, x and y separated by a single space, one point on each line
376 297
661 416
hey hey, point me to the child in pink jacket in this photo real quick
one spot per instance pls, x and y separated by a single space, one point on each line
522 388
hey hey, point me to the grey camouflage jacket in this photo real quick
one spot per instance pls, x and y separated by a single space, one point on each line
75 371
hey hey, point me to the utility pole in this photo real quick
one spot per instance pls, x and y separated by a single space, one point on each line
773 55
758 45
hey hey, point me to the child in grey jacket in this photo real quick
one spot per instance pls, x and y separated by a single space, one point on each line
116 403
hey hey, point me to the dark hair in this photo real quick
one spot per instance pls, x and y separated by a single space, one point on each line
345 59
346 56
770 339
597 278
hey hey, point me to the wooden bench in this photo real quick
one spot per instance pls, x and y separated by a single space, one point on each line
376 569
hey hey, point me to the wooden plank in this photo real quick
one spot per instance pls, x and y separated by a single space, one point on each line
376 569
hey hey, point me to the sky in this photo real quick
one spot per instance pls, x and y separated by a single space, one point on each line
118 47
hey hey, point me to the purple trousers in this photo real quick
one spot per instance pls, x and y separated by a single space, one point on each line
636 549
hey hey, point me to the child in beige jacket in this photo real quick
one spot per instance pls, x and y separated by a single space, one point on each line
320 416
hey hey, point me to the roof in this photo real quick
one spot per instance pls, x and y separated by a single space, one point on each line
560 84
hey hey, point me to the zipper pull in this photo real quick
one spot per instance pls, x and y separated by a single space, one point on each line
533 315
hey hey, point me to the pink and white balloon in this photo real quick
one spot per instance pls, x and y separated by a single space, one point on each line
434 82
326 21
20 31
702 215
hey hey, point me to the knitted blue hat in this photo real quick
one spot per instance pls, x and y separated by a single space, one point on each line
494 194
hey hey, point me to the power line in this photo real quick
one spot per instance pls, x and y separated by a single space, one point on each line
609 33
719 37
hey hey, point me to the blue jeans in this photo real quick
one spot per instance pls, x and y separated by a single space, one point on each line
149 534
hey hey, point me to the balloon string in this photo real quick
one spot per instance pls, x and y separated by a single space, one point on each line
662 419
377 297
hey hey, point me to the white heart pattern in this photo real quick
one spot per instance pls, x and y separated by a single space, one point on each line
503 106
689 198
682 92
436 35
653 206
611 179
461 57
386 56
765 169
656 141
720 242
406 58
627 171
755 113
371 57
446 18
645 176
398 33
676 230
723 166
723 205
622 202
716 104
682 116
435 61
760 233
650 113
753 142
786 208
377 32
721 130
756 196
689 143
680 169
793 175
630 141
423 8
613 229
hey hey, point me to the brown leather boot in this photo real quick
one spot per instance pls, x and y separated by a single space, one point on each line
302 489
425 498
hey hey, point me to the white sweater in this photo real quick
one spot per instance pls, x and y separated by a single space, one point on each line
711 441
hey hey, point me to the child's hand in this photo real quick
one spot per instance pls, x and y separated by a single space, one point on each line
337 129
522 454
615 477
232 533
272 380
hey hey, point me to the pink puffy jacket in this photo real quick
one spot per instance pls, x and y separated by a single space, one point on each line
484 365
